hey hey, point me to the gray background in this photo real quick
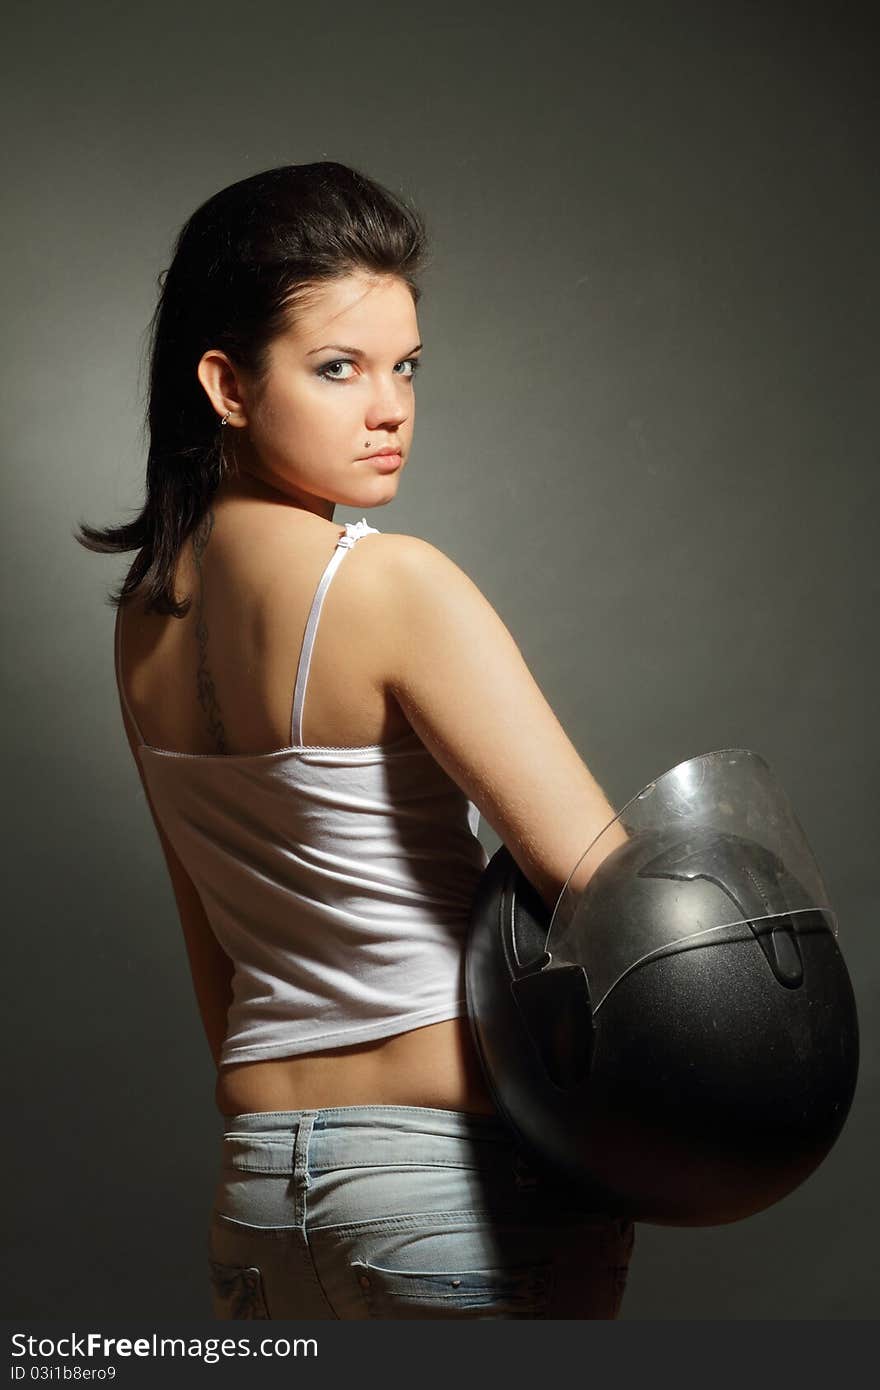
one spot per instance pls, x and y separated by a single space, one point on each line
647 429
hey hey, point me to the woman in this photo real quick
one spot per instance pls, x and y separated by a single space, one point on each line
315 756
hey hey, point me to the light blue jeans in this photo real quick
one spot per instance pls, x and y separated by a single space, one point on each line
400 1211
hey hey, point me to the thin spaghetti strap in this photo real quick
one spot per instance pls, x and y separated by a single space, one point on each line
353 533
117 644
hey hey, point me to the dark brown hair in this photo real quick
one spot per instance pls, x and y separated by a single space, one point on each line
240 265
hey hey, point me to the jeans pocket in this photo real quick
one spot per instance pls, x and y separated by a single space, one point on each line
237 1291
521 1292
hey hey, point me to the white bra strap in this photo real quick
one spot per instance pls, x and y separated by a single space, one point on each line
353 532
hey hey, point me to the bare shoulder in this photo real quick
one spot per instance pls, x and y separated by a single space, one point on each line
409 592
416 565
423 584
401 547
273 558
274 555
394 560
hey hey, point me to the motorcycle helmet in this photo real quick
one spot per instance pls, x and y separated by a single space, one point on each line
677 1041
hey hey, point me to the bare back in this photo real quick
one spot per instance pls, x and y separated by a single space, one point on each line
221 680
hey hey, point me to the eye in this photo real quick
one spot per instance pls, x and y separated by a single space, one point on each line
325 371
413 363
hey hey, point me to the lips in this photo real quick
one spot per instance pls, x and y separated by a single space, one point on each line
386 463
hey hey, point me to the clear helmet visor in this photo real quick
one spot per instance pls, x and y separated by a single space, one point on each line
717 853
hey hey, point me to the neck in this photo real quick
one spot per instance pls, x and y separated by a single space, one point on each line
243 484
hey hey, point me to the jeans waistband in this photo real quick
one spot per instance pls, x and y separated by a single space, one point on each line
361 1135
415 1119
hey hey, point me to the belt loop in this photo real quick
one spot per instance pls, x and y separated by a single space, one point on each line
301 1179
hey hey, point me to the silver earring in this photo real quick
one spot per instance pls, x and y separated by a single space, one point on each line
225 418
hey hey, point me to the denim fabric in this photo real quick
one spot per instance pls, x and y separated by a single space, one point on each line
398 1211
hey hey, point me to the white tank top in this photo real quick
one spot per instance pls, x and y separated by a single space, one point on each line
338 880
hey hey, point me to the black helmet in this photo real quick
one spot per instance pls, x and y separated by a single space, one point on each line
678 1041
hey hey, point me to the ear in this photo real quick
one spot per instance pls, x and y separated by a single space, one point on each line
224 386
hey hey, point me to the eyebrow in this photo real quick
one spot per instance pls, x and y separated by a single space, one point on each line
355 352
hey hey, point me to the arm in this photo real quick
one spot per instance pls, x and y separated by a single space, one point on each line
454 668
210 967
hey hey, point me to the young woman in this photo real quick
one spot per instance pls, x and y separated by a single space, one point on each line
315 756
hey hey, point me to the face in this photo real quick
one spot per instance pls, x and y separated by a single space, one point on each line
339 390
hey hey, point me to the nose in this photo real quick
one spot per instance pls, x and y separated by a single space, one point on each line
389 406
